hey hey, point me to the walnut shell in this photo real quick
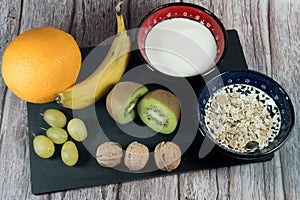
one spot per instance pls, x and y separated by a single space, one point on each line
136 156
109 154
167 156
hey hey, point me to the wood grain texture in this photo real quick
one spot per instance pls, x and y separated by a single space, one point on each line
155 188
14 154
108 192
205 184
135 10
93 21
249 18
36 13
285 51
17 17
269 33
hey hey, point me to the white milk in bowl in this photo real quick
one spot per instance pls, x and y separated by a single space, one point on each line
181 47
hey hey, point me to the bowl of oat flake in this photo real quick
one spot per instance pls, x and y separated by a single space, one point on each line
245 113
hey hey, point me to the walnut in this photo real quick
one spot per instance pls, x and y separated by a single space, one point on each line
109 154
167 156
136 156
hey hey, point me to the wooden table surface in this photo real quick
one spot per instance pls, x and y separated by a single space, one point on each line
270 35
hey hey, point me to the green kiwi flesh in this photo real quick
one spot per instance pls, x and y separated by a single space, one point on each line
160 110
122 100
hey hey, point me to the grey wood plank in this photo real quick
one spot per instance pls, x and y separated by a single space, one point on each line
285 49
271 44
14 152
108 192
36 13
93 21
254 33
90 22
205 184
9 23
154 188
273 186
250 19
60 14
14 155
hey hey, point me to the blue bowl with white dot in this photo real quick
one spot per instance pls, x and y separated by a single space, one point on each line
245 113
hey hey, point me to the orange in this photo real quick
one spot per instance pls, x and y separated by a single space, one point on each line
40 63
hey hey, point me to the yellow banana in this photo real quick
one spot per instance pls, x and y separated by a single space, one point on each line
109 72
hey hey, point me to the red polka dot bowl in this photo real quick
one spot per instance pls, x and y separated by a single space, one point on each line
186 11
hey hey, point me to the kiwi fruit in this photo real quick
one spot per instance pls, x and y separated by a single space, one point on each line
122 100
160 110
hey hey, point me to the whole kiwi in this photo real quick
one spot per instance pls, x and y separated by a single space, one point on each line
122 100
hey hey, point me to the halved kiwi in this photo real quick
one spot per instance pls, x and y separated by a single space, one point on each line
160 110
122 100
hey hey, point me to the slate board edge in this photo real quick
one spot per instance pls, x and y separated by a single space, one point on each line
37 191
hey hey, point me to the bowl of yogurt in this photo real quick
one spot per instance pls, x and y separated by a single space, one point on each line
181 40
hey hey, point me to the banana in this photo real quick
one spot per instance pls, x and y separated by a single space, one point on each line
107 74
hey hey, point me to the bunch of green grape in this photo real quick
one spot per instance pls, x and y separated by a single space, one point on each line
44 144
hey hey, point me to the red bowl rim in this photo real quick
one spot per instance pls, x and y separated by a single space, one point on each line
218 21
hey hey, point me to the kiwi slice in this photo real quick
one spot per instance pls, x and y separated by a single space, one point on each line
122 100
160 110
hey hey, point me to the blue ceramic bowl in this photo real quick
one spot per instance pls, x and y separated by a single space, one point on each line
266 85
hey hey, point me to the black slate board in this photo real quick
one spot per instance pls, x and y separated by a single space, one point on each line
50 175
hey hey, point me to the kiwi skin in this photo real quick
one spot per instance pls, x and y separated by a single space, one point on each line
160 99
119 99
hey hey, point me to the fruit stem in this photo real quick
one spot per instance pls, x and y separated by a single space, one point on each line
43 128
118 7
58 99
120 19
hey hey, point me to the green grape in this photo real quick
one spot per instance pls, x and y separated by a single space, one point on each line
55 118
43 146
57 135
77 129
69 153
